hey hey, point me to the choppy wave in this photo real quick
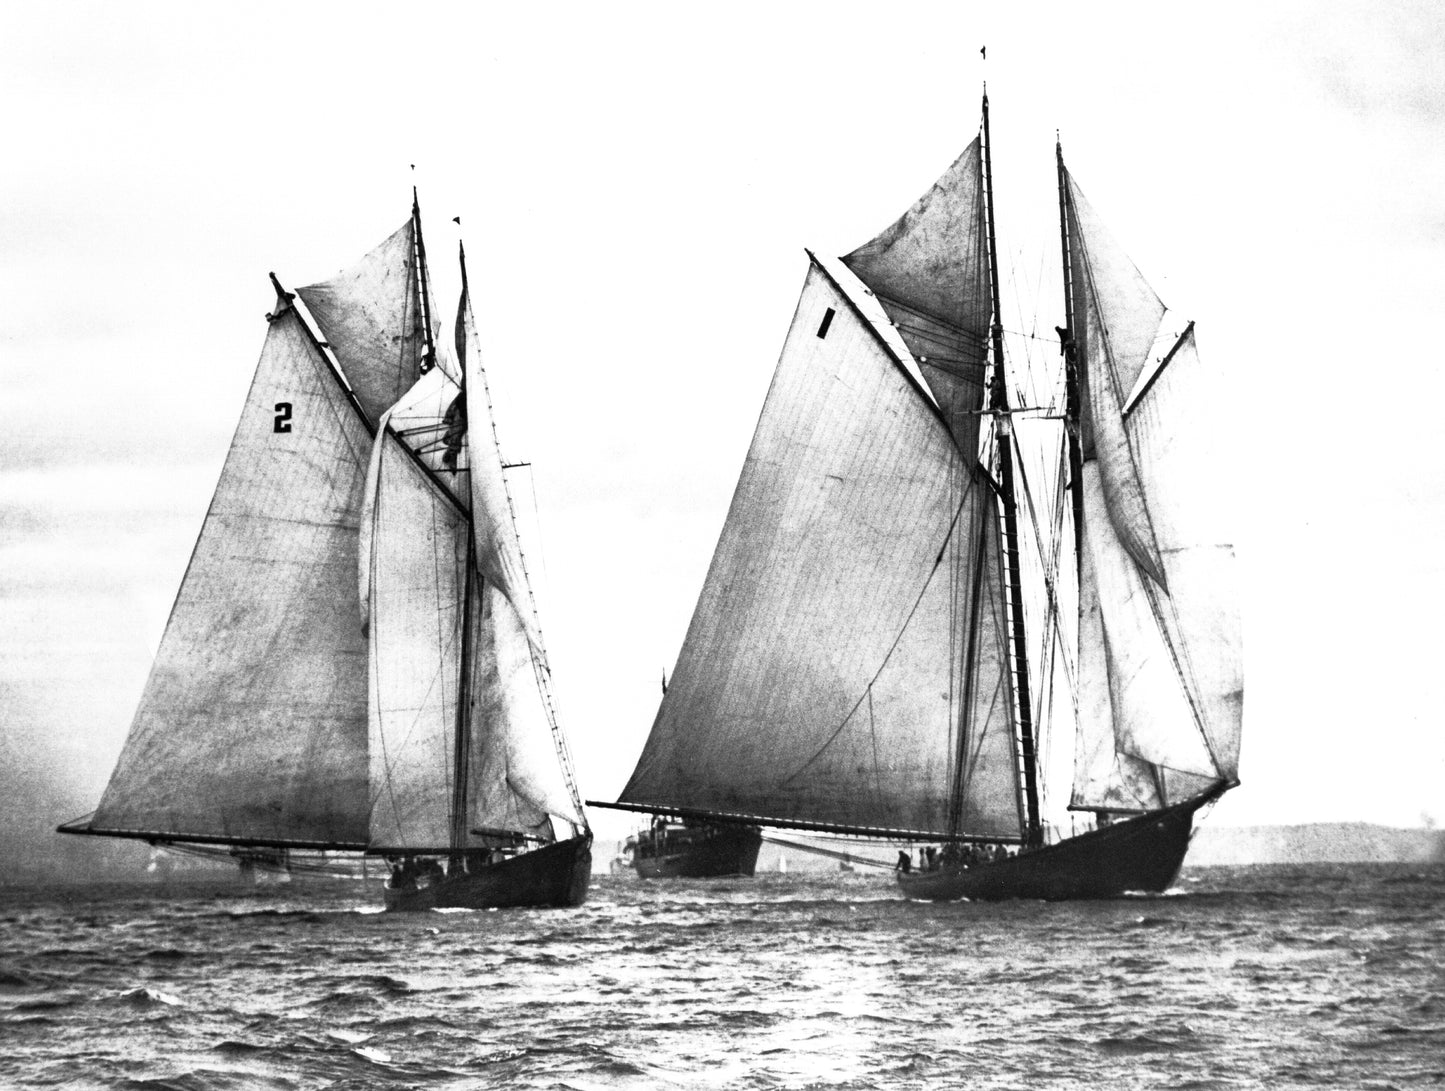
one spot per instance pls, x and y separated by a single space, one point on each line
1244 978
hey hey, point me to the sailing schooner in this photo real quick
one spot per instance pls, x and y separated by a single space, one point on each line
353 660
693 850
875 647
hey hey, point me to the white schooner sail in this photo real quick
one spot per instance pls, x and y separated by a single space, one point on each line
825 679
1160 679
857 658
353 661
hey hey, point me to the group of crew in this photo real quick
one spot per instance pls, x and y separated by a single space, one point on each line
952 855
417 871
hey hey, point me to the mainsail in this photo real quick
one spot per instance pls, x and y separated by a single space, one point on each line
252 725
846 666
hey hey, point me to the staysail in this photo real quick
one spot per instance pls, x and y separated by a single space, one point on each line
826 675
1160 683
252 725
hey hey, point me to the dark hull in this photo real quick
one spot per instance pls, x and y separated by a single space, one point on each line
718 852
553 875
1143 853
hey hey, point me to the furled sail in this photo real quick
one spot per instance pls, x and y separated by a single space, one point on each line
371 316
252 725
823 678
1160 681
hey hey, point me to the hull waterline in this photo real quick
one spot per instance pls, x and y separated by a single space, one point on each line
554 875
1143 853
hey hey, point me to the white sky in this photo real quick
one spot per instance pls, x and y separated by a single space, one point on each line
637 182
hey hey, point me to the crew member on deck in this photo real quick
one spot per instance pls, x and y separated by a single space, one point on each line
455 420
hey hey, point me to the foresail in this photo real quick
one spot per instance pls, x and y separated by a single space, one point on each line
370 315
1160 678
414 572
518 781
521 764
822 677
252 725
498 550
1176 428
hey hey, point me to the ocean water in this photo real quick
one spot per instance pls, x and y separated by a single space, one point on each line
1239 978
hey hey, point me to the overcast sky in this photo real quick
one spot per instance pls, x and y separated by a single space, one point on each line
636 184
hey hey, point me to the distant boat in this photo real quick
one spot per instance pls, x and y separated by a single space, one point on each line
694 850
883 633
353 661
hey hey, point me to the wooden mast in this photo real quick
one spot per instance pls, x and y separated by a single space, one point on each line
461 749
424 288
1003 431
462 744
970 671
1068 346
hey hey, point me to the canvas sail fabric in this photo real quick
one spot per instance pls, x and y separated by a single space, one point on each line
413 577
414 572
517 775
522 760
821 676
498 550
1115 325
427 420
929 270
252 725
1160 680
370 315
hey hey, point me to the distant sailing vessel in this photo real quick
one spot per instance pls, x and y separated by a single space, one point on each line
353 661
694 850
859 661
